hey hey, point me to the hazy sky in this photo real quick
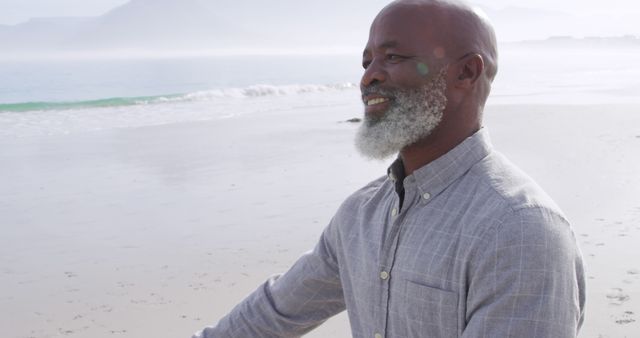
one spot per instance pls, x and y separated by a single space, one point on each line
16 11
578 17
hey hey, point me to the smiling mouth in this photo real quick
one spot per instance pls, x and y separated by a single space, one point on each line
376 101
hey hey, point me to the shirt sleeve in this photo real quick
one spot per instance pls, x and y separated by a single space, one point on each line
288 305
528 281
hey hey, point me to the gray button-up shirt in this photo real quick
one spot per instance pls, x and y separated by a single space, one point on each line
475 249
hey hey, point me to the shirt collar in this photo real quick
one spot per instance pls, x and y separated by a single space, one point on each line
436 176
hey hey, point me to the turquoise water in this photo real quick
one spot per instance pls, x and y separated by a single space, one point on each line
64 84
102 103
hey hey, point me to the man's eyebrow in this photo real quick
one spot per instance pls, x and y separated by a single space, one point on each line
388 44
384 45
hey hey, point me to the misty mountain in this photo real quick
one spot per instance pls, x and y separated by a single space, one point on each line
568 42
515 23
519 23
138 24
158 24
304 23
199 24
40 33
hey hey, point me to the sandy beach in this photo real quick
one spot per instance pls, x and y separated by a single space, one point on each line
158 231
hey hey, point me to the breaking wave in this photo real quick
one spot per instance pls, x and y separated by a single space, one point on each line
207 95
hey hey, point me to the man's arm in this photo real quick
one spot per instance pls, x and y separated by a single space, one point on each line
528 281
288 305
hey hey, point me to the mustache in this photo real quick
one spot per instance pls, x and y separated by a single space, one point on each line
376 89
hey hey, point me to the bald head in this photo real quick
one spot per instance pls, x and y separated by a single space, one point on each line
458 28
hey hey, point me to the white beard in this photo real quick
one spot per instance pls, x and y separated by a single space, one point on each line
413 115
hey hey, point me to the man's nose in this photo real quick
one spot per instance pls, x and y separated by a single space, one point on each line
373 74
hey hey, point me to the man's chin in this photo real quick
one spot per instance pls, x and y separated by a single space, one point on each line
372 119
371 148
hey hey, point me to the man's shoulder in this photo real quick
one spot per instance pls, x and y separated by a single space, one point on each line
370 193
510 205
509 186
360 205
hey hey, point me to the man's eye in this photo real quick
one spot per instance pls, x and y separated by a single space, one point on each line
365 64
395 57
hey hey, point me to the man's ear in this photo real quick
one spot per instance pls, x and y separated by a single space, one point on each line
469 70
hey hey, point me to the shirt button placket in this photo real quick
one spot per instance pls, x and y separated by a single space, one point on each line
384 274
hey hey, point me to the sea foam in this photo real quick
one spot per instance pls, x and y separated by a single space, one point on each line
52 118
259 90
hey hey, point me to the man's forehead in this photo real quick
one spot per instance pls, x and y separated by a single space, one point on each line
400 17
401 27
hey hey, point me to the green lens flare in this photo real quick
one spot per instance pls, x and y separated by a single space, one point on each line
422 69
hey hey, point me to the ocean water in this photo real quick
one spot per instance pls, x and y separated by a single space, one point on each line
68 96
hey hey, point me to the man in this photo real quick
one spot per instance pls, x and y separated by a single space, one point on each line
455 241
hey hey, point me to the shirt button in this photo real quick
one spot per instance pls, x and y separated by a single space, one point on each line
426 195
394 211
384 275
377 335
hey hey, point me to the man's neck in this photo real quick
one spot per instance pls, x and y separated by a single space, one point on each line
431 148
